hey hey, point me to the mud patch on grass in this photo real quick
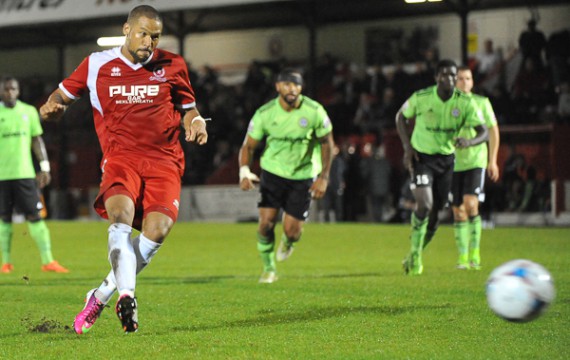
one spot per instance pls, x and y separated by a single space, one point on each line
44 326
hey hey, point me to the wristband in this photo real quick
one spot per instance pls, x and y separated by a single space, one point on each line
244 172
200 118
44 166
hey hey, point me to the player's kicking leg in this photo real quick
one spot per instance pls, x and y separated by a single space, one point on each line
90 313
96 299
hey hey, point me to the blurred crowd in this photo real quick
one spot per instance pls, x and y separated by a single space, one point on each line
527 85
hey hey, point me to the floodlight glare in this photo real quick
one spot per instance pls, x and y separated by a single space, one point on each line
420 1
111 41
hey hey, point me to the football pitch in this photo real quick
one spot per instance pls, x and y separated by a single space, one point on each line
342 295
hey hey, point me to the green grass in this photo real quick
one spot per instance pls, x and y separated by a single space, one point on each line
341 295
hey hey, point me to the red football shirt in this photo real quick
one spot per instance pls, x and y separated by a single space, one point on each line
135 106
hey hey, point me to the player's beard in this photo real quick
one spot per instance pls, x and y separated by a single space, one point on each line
138 58
291 99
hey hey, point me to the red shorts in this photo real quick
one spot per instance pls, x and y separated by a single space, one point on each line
153 185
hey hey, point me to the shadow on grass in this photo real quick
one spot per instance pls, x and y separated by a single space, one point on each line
67 280
271 318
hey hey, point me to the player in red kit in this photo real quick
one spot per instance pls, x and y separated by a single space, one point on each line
138 93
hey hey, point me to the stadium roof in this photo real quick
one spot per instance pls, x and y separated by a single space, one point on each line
215 15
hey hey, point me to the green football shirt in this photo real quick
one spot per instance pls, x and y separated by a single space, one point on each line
438 122
475 156
292 150
17 127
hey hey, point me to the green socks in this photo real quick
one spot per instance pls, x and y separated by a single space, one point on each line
266 248
5 241
429 235
475 240
461 230
419 229
40 234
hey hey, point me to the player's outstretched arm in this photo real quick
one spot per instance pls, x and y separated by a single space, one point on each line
55 106
246 177
195 127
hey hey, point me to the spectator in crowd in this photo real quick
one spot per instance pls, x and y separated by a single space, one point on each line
400 81
531 193
332 204
367 117
256 85
387 109
532 43
558 56
487 62
374 81
530 91
422 77
563 109
375 171
513 183
348 87
354 196
406 202
489 65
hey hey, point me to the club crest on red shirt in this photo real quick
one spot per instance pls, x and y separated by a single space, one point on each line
159 74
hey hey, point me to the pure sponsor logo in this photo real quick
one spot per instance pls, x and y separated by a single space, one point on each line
133 94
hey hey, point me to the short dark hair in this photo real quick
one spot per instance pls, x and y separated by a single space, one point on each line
463 68
444 63
290 75
144 10
5 78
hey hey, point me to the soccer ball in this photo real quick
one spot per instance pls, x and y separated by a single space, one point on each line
520 290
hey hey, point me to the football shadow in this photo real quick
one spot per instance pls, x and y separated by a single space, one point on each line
270 318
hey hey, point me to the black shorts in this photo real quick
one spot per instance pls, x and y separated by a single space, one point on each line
290 195
21 195
469 182
435 171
